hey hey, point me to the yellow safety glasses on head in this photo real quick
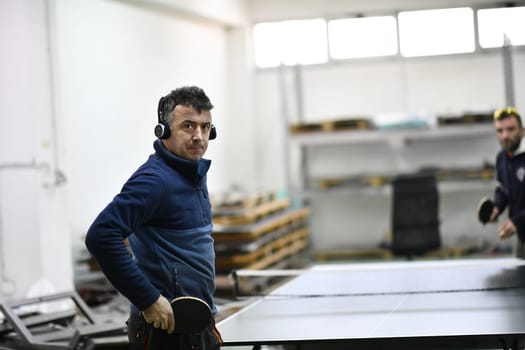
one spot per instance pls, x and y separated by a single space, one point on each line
504 112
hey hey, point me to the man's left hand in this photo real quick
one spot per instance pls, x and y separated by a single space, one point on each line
160 314
507 229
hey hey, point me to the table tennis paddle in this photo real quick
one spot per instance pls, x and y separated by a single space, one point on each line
192 315
485 208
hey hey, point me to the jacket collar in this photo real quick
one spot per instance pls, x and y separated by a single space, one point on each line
520 150
189 168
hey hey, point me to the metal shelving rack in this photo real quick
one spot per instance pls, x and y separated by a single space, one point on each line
395 137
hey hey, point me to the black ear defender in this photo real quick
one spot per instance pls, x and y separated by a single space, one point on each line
213 133
162 130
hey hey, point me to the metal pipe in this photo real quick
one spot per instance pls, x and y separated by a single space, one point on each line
508 72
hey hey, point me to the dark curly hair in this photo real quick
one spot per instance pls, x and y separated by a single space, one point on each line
188 96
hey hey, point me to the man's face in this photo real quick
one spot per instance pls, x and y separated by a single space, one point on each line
190 132
509 133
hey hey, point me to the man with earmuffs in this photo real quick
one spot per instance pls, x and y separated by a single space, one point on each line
164 212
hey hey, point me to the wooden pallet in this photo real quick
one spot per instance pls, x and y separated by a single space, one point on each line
244 233
236 247
351 254
468 118
295 246
267 254
248 215
465 174
442 174
238 200
386 254
332 125
359 181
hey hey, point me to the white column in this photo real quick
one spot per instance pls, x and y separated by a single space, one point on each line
34 239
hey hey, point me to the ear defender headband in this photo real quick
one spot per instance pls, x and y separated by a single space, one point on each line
162 129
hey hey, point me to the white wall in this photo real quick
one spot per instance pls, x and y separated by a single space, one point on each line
34 237
271 10
425 86
225 12
428 87
82 79
112 72
115 61
87 75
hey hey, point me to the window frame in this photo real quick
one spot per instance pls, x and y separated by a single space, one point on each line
478 50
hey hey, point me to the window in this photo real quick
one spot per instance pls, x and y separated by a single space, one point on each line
410 34
362 37
494 24
290 42
436 32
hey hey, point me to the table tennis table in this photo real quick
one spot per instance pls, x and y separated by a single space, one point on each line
442 304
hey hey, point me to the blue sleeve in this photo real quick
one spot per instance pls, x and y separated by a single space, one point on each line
131 208
500 192
500 198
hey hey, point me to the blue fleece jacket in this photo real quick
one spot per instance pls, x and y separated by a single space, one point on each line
510 192
165 212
